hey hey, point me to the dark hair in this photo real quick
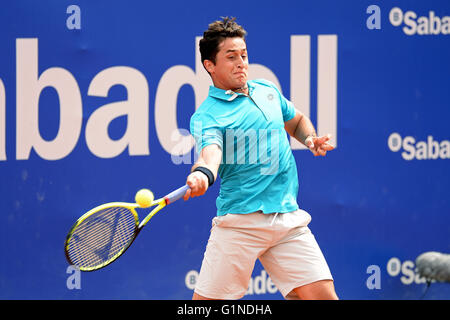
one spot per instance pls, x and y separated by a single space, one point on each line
216 33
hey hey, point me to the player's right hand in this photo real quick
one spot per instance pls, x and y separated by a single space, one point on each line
198 184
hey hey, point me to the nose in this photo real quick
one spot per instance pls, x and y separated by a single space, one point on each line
240 62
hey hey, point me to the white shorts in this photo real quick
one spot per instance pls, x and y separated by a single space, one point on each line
282 242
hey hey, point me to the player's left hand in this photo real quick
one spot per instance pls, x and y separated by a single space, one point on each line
319 145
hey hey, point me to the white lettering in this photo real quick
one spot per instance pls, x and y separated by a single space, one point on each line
374 280
408 272
74 280
444 153
374 20
135 108
421 150
166 103
176 141
245 309
424 25
300 78
29 88
261 284
2 121
326 83
393 267
74 20
188 310
407 269
258 71
410 22
408 145
435 23
327 87
445 28
433 148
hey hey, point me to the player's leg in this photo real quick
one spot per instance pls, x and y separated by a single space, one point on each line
319 290
229 258
196 296
295 262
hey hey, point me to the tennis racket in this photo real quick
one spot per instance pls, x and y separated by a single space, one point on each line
103 234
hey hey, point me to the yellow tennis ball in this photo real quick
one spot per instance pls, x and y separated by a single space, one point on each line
144 198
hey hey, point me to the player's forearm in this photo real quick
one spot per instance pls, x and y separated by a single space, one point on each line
199 180
304 129
300 127
210 157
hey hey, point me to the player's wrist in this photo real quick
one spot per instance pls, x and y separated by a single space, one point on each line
309 140
208 173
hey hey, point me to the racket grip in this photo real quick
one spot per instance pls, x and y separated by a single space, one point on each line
177 194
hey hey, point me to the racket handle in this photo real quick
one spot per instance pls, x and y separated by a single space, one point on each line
177 194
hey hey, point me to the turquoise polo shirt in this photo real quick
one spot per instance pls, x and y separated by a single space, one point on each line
258 170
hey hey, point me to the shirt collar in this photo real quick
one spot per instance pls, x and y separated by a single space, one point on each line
227 95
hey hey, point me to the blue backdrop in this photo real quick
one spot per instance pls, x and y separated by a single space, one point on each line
95 98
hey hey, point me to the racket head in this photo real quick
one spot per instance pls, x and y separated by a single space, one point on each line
101 235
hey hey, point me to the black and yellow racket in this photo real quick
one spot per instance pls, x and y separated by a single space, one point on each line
104 233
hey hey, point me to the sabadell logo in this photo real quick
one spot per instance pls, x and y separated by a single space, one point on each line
429 149
431 24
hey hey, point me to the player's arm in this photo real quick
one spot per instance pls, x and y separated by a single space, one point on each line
210 158
301 128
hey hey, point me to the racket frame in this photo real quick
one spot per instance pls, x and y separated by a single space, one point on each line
161 203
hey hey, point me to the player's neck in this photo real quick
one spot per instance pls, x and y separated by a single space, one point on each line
243 90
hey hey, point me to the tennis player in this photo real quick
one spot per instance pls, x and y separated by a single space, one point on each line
240 133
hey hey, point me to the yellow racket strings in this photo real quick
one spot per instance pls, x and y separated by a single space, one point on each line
101 237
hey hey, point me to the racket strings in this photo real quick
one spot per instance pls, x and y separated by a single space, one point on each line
101 237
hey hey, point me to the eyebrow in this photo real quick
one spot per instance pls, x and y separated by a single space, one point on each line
234 50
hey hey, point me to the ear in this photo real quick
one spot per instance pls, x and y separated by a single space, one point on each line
209 66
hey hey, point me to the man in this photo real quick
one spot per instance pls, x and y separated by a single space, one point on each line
240 132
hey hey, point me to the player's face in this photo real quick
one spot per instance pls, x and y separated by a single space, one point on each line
230 71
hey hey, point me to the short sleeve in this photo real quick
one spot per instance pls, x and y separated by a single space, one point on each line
205 131
287 107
